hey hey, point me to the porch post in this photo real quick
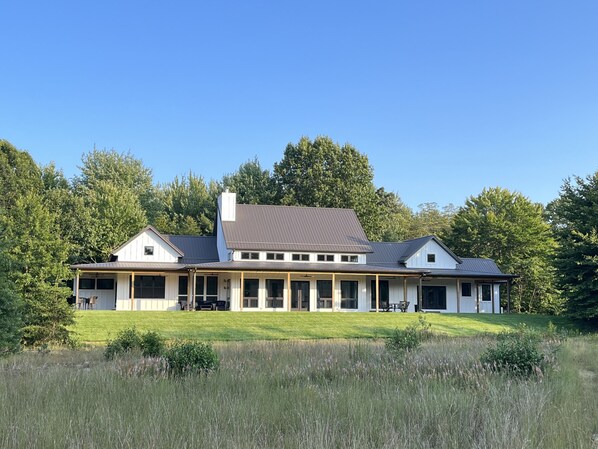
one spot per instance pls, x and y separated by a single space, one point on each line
193 287
334 308
377 293
492 292
420 295
242 291
405 289
289 291
189 291
458 296
509 296
477 298
76 289
132 290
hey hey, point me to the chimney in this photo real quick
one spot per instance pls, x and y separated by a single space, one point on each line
227 205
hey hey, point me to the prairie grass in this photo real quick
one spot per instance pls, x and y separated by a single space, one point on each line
323 394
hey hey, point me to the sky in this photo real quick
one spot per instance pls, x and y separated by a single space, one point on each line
445 98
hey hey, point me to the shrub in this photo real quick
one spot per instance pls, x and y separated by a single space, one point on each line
190 357
516 353
126 340
408 339
152 344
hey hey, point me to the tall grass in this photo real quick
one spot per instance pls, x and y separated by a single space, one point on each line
302 395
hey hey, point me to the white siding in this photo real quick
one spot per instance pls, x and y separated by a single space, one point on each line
106 298
170 302
134 250
223 252
420 259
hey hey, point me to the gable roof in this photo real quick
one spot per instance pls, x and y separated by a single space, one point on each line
391 253
157 234
293 228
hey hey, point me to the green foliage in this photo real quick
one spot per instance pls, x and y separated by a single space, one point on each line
19 175
402 341
152 344
10 312
189 206
252 184
191 357
126 340
574 218
508 228
321 173
516 353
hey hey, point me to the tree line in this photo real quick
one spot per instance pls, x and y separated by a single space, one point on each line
48 222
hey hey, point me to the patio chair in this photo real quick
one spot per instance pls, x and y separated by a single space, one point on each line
92 302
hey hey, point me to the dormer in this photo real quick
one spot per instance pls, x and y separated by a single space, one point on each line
148 246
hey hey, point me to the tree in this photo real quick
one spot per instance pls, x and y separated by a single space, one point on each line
396 216
430 220
252 184
19 175
189 206
321 173
574 218
508 228
10 312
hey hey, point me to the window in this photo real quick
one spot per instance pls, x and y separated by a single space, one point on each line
250 292
349 294
433 297
148 250
431 258
206 289
384 296
324 294
486 292
149 286
183 283
466 289
301 257
105 284
274 256
325 257
275 288
349 258
250 256
87 284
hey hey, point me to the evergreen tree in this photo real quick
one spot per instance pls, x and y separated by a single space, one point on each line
252 184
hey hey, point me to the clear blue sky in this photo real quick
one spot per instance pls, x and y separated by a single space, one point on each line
444 97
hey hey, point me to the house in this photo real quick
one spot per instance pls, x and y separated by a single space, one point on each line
286 258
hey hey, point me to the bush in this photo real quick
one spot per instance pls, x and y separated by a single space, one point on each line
190 357
127 340
152 344
516 353
408 339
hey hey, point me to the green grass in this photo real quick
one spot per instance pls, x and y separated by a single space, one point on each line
315 394
96 327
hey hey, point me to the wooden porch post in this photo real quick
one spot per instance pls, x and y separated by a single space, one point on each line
193 287
405 289
377 293
132 290
189 291
242 291
509 296
492 292
334 308
420 295
458 296
76 289
289 292
477 298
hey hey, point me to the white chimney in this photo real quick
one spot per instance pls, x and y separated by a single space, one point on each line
227 205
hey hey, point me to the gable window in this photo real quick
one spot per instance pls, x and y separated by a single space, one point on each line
349 258
274 256
149 286
431 258
250 293
250 256
325 257
148 250
349 294
275 289
300 257
486 292
324 294
466 289
87 283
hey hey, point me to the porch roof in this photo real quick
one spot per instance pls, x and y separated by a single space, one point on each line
130 266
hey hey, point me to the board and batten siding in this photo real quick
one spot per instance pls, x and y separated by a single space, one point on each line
420 258
170 302
134 251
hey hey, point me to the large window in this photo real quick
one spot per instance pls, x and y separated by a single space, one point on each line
206 289
486 292
149 286
275 288
466 289
324 294
105 284
250 293
349 291
434 297
384 295
87 283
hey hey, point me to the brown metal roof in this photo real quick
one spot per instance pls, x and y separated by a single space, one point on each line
292 228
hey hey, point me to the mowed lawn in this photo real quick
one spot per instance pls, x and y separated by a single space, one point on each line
97 327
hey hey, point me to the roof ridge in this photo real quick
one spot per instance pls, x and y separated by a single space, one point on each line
297 207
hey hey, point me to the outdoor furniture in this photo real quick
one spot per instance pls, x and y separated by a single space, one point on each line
403 305
82 302
92 302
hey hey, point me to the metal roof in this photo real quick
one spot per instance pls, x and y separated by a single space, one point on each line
197 249
391 253
293 228
130 266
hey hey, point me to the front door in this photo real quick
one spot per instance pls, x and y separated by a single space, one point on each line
300 295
